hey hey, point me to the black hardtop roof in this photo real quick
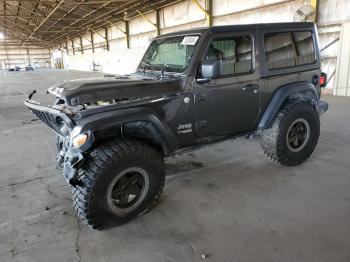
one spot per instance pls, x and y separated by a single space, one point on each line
240 27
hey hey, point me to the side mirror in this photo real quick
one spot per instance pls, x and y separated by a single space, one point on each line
211 68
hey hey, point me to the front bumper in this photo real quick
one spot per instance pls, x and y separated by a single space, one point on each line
69 158
322 107
73 159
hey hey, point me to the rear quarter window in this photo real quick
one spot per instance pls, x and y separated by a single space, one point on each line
289 49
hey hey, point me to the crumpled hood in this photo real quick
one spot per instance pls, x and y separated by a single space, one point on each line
90 90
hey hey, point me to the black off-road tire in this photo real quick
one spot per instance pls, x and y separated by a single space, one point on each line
101 167
274 140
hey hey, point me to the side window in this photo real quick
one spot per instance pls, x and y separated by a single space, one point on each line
289 49
304 48
230 56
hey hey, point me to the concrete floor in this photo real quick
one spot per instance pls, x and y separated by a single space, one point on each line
226 201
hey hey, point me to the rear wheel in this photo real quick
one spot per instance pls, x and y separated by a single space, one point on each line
293 135
119 181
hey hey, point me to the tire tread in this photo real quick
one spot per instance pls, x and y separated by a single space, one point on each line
113 151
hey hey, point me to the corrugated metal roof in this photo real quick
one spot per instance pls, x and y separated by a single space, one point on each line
50 22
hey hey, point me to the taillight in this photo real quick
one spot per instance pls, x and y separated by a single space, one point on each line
323 80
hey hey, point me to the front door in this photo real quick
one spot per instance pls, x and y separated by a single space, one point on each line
230 101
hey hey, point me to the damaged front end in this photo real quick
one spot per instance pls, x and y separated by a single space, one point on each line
70 144
87 111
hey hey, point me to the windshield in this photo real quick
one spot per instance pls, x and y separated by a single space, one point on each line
171 54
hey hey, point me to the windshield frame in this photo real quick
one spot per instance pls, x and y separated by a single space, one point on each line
141 66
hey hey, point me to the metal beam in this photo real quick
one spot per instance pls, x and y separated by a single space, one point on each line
113 24
315 4
146 19
205 11
31 1
66 14
20 35
34 17
17 13
66 47
158 22
107 41
28 56
24 8
209 8
73 47
93 2
127 35
44 20
23 29
92 42
330 44
114 12
81 45
86 15
59 26
86 39
96 33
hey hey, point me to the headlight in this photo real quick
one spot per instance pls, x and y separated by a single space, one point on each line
79 140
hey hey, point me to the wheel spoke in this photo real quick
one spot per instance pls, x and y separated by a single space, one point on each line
134 190
133 179
116 193
297 135
127 189
296 142
123 199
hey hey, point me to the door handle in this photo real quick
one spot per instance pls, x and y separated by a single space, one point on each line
250 88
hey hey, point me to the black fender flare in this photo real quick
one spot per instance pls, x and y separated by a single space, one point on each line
304 91
111 119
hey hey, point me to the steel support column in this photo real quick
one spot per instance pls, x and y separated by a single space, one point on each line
315 4
66 47
73 47
106 38
92 42
81 45
207 10
127 34
158 22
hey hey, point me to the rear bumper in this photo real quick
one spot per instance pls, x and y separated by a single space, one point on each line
322 107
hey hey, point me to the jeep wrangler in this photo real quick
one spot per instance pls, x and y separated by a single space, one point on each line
191 88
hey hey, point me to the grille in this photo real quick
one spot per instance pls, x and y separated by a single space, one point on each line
50 120
53 118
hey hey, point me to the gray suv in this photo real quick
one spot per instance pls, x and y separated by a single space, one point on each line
191 88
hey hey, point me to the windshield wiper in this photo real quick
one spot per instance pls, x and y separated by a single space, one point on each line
144 66
164 66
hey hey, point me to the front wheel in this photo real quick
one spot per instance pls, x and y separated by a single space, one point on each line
119 180
293 136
